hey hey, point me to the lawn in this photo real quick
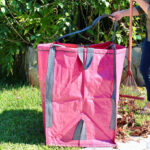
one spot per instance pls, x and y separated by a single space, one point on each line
21 124
130 120
136 108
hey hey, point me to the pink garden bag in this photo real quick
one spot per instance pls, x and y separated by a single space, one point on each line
80 91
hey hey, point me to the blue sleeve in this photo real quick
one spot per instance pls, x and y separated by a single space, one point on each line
140 10
148 15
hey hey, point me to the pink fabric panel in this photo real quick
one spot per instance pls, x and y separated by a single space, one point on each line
81 94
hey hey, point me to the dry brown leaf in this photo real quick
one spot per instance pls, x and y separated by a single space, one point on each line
126 122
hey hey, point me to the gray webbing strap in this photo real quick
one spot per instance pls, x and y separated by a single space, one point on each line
80 54
88 59
80 131
113 98
49 86
113 36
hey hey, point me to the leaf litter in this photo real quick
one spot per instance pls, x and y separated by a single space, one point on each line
127 126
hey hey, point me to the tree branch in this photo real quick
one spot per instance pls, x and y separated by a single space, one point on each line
15 30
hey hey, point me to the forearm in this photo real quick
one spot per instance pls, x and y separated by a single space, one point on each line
126 12
144 5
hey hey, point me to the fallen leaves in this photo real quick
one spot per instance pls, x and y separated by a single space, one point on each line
126 122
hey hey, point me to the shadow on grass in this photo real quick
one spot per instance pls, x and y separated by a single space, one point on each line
22 126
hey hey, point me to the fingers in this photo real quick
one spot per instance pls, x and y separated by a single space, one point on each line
112 17
116 16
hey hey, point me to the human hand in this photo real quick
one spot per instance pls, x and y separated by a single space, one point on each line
117 15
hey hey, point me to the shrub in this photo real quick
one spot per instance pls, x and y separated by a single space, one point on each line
29 22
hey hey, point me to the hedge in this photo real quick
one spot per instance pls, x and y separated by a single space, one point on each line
26 23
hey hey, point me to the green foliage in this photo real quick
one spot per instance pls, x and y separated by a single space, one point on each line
24 23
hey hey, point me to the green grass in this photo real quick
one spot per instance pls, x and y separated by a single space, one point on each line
139 118
21 122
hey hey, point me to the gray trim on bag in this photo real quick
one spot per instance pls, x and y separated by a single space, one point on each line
80 54
49 86
80 131
88 59
113 98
